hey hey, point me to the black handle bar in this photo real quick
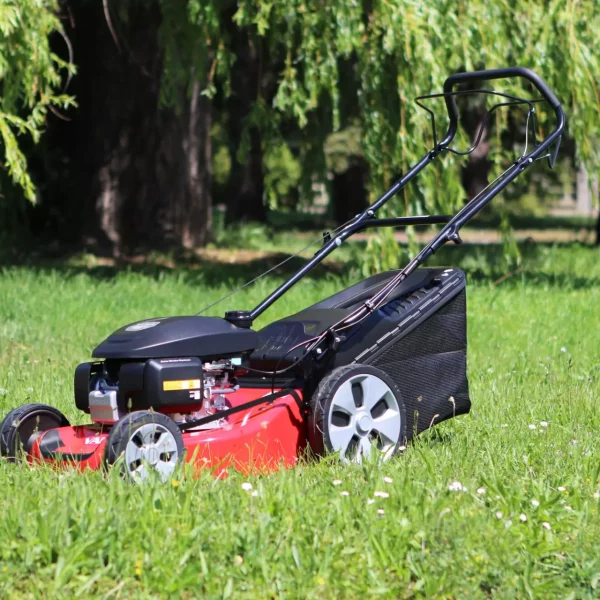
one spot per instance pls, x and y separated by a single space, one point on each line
450 231
488 74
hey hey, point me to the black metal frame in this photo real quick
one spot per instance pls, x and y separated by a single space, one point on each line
222 414
450 231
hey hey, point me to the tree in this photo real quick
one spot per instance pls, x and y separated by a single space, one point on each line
394 50
139 155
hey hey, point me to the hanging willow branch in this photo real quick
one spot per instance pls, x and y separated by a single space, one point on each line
31 78
398 50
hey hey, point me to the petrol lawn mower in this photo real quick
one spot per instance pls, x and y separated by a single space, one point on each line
358 374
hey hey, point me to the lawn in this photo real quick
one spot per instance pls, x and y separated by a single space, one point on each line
499 503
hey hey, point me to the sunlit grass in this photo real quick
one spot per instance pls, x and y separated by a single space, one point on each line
502 502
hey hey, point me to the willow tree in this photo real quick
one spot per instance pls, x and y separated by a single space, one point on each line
163 68
402 49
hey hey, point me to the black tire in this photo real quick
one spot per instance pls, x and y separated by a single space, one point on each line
21 423
131 432
320 424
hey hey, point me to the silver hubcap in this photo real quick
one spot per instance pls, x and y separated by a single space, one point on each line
364 419
151 447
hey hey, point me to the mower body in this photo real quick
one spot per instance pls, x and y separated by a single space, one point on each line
418 338
359 373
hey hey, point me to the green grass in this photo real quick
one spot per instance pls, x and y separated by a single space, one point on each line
534 357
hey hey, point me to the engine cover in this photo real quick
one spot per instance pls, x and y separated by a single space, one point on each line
172 337
108 391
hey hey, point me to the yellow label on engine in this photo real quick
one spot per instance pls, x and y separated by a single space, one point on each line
183 384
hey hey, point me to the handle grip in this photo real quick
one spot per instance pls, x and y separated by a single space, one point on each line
508 72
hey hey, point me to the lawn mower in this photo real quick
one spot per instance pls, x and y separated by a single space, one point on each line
357 375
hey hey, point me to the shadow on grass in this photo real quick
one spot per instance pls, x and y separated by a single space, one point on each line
483 263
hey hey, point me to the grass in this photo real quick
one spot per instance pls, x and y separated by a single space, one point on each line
533 357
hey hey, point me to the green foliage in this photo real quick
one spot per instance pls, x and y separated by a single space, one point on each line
340 65
195 52
282 173
221 165
343 148
403 49
532 360
30 78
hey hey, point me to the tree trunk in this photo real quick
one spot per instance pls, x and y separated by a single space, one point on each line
139 174
475 173
246 189
348 192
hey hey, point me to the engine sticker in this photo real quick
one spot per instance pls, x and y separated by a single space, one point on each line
183 384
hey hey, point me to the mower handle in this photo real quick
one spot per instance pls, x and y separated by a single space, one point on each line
450 231
488 74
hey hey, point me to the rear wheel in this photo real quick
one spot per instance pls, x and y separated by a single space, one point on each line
147 442
22 424
357 411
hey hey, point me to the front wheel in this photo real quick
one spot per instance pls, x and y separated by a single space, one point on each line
147 442
21 424
358 412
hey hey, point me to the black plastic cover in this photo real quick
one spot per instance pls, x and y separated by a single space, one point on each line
81 384
420 294
131 386
173 382
171 337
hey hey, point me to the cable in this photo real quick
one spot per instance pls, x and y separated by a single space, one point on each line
248 283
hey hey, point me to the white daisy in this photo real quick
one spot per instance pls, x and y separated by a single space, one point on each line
457 486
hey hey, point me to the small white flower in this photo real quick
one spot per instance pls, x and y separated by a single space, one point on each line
499 515
523 517
457 486
345 493
504 425
574 442
3 391
246 486
560 488
546 525
337 482
255 493
567 507
535 503
370 501
481 491
381 495
380 511
388 479
596 495
563 349
543 423
508 524
401 448
532 427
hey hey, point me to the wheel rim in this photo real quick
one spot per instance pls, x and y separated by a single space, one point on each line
151 447
364 419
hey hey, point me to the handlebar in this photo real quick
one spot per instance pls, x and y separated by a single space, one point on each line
506 73
450 232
